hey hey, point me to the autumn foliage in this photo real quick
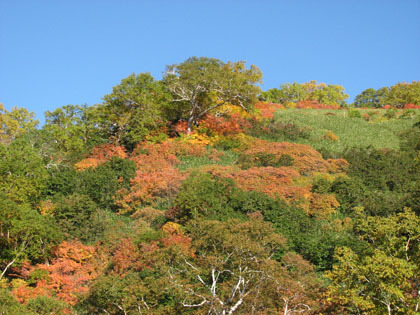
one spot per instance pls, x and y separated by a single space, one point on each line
66 277
100 155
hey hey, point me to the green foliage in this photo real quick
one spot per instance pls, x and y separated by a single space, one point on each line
75 216
15 123
397 96
315 240
63 180
44 305
144 291
194 162
9 305
380 133
348 192
246 161
371 98
72 127
383 281
24 234
311 91
279 130
102 182
353 113
203 196
23 174
133 109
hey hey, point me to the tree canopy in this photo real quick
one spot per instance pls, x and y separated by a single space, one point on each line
201 85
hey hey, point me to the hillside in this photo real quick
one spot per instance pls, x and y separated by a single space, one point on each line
220 204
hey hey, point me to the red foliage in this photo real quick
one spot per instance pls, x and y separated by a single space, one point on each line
100 155
232 124
411 106
267 110
180 127
125 257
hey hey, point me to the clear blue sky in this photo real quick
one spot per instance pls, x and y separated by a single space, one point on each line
54 53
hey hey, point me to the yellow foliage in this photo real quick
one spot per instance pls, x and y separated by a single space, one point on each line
329 135
46 207
172 228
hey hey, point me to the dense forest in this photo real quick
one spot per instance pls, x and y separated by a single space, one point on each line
202 194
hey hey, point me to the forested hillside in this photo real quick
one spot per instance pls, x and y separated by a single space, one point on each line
202 194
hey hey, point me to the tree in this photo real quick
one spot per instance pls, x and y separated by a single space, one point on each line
385 280
403 93
200 85
330 94
133 109
233 271
15 123
368 98
72 127
24 234
23 174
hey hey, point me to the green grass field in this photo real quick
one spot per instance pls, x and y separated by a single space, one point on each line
379 132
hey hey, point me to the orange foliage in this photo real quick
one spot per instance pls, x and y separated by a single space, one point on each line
337 166
125 257
100 155
275 182
215 155
267 110
23 293
322 205
329 135
156 176
74 265
272 181
146 187
232 124
411 106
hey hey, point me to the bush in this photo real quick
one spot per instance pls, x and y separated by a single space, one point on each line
74 215
203 196
246 161
353 113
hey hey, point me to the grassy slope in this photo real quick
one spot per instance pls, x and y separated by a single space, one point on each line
352 132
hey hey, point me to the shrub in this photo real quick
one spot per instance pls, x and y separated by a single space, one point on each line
354 113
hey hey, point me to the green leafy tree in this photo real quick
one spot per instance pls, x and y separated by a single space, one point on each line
199 85
310 91
23 174
102 183
371 98
75 216
14 123
24 234
403 93
386 279
133 109
72 127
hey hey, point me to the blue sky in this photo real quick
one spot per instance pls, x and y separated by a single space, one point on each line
54 53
